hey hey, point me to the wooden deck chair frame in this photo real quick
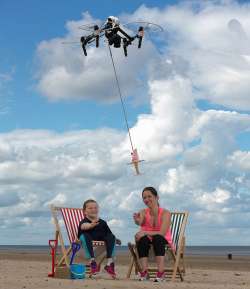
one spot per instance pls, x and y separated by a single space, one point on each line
178 226
64 260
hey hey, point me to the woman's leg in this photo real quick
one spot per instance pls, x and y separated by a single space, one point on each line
143 246
86 240
159 245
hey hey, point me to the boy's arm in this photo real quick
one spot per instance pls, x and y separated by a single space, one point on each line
87 226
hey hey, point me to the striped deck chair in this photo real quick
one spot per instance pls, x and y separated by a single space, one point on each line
71 218
178 225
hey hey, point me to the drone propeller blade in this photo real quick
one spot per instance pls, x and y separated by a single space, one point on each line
88 27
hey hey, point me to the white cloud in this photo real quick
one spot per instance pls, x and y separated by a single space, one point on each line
210 45
240 160
219 196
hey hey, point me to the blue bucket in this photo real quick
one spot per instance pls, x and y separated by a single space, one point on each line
77 271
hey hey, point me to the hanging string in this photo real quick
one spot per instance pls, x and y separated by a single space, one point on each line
121 99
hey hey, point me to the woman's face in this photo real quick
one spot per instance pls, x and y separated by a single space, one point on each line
149 199
91 209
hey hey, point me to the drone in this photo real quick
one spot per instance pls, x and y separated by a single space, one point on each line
114 33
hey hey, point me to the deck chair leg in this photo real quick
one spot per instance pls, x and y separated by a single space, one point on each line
64 258
101 260
134 255
176 267
183 256
130 267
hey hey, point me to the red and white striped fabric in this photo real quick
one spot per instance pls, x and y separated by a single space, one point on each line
72 218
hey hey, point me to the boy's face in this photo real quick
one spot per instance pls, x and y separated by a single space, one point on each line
91 209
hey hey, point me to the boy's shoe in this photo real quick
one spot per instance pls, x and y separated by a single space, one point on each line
143 276
94 269
110 269
159 276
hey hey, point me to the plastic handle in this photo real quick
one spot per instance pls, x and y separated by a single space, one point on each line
52 244
75 247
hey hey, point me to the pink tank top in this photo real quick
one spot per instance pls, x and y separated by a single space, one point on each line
147 225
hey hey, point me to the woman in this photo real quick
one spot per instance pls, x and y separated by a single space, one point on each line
155 230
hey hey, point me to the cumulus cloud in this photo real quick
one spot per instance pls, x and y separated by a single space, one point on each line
192 156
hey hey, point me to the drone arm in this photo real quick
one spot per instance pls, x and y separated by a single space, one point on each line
126 34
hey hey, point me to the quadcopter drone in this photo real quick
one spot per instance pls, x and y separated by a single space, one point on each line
114 34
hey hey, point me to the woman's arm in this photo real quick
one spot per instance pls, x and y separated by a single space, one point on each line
166 221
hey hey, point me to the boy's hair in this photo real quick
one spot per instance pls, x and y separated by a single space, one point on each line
87 202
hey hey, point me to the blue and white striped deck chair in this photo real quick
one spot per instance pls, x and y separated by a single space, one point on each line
178 226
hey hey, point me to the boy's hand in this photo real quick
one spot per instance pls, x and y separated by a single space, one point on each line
94 223
118 241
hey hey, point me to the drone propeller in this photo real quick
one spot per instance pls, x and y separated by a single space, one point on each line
88 27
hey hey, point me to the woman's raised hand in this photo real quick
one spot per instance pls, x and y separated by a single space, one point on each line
137 218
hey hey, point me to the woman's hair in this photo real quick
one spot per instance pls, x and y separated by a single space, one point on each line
87 202
152 190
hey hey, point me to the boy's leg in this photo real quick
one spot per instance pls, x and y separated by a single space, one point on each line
86 240
109 240
110 247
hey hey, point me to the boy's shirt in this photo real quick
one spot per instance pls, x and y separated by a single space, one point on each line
98 232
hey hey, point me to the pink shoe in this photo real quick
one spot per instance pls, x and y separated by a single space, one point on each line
144 276
159 276
94 269
110 269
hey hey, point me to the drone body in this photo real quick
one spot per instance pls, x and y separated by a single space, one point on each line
115 35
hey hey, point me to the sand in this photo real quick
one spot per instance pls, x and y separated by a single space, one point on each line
20 270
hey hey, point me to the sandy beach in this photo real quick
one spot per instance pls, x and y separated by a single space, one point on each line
29 271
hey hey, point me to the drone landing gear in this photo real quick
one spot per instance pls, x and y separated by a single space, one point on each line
84 42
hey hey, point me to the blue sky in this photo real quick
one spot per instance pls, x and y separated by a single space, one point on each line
188 113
